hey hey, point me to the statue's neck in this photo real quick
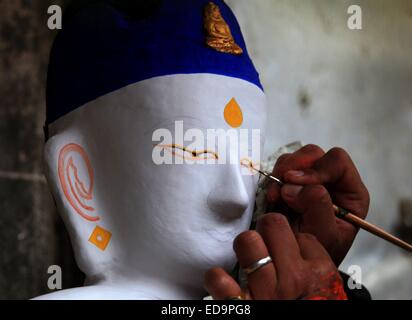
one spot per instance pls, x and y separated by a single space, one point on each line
138 285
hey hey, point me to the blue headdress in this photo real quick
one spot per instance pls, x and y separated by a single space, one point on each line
100 50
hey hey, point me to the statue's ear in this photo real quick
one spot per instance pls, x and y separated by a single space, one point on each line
76 184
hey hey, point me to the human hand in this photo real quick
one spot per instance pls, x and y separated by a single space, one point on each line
314 180
301 267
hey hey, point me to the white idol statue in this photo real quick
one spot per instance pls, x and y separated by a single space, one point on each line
150 204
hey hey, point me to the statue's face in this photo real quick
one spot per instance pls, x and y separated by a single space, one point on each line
125 207
214 12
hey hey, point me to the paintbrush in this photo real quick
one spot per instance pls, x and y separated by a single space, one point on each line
353 219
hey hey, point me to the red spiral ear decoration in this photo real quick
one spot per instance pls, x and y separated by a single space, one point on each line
74 189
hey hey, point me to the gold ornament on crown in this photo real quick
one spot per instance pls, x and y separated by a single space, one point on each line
218 34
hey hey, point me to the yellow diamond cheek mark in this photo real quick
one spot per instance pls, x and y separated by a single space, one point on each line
100 237
233 114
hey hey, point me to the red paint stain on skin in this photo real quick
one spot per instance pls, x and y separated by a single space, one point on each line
331 288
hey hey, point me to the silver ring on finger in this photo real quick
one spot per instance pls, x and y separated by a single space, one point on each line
257 265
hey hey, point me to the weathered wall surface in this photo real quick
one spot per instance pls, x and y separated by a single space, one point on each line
31 237
336 87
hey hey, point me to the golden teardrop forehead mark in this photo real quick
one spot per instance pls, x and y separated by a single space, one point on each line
233 114
218 34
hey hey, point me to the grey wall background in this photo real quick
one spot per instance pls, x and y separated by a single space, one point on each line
332 86
31 234
326 85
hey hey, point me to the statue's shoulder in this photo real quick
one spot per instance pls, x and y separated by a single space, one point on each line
71 294
96 292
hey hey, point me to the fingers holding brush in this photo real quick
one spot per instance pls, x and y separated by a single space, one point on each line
335 208
312 181
317 215
304 158
338 173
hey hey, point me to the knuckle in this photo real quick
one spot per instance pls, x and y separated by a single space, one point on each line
306 237
339 154
324 265
282 159
316 192
361 203
366 197
274 219
313 149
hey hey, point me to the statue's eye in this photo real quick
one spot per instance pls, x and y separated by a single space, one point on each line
249 167
189 154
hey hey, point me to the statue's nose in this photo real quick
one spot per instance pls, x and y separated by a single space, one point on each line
229 199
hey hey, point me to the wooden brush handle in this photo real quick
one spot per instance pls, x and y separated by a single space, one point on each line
360 223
